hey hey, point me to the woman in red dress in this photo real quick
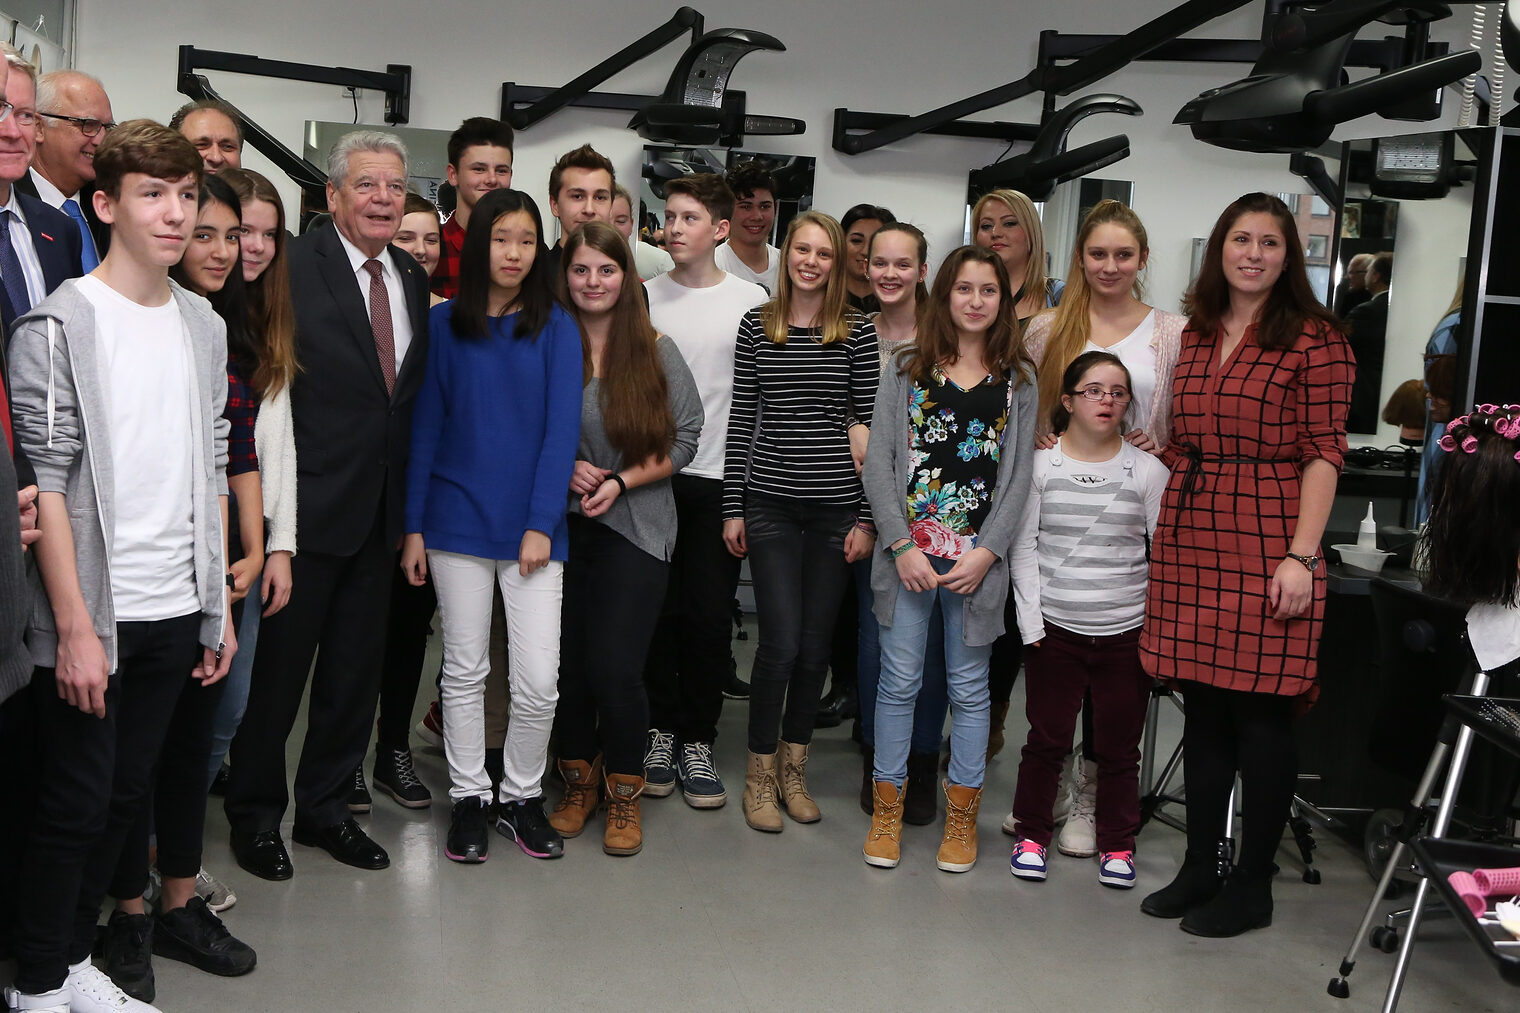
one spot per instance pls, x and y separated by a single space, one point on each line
1237 591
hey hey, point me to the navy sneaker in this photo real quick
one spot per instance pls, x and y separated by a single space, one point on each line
1117 869
524 822
660 763
1028 861
700 784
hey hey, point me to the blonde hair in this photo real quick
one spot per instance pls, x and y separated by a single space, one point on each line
1034 280
837 315
1072 325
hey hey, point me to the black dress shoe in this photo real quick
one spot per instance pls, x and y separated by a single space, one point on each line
346 842
263 854
838 705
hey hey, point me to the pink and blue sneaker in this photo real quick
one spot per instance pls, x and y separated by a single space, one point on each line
1117 869
1028 861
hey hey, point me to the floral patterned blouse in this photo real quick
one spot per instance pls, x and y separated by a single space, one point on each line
954 438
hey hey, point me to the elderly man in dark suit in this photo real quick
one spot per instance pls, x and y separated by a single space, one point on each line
73 115
361 309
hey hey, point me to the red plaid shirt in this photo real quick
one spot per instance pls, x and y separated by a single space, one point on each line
446 274
242 411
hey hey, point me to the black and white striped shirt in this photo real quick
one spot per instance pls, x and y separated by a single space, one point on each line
787 428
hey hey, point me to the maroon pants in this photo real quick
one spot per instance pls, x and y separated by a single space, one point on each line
1057 675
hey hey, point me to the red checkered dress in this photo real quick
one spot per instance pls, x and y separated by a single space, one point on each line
1253 424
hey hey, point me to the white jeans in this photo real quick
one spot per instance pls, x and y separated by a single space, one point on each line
532 604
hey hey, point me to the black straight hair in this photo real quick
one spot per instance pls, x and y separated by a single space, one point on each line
231 302
471 314
865 212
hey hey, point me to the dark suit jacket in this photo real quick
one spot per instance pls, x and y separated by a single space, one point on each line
1367 330
99 229
57 243
352 439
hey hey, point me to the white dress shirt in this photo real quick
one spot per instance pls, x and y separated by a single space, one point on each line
395 287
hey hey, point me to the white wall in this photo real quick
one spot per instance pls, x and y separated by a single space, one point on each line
905 56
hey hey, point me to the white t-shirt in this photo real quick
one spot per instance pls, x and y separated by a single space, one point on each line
650 261
730 262
147 370
1079 558
1139 357
704 324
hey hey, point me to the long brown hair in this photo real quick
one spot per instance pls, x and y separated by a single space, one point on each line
634 396
271 317
837 315
1034 280
1290 306
1072 323
937 340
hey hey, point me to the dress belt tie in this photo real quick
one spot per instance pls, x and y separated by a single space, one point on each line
1192 479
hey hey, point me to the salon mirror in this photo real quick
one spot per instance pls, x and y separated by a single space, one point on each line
427 151
794 182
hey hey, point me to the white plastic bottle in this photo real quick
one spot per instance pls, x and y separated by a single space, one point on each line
1366 537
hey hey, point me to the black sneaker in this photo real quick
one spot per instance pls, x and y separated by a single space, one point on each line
196 936
125 947
359 800
469 837
524 822
395 775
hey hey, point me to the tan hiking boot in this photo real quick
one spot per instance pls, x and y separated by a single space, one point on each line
762 809
957 852
583 782
793 780
883 843
625 831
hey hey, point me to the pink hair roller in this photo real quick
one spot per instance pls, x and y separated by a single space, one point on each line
1491 881
1467 888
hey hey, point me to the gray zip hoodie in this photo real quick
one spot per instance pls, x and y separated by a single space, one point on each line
59 389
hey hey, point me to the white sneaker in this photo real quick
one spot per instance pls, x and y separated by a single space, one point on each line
217 895
1079 837
56 1001
92 992
1062 807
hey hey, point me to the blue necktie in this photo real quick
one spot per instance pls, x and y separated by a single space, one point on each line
10 270
88 258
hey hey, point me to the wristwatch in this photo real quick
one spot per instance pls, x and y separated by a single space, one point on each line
1311 563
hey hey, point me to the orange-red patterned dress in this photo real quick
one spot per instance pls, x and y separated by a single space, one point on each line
1241 435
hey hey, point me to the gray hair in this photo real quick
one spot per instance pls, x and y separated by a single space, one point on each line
16 62
357 142
51 84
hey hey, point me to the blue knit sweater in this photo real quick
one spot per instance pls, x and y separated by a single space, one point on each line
494 434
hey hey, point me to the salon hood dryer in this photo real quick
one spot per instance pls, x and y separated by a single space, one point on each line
1048 163
1296 94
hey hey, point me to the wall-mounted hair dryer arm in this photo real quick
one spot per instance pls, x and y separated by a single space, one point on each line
1037 179
1305 30
1362 98
1055 131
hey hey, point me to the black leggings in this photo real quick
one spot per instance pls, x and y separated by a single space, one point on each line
1225 731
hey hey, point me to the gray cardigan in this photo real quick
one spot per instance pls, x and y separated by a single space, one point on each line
59 386
646 514
15 599
888 474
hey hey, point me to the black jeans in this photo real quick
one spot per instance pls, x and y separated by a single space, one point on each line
94 778
1225 731
796 557
613 591
340 604
689 656
406 633
178 813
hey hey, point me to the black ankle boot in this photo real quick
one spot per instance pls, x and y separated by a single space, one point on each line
921 804
867 780
1245 903
837 706
1197 882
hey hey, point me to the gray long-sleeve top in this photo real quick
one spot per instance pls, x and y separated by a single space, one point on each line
889 471
646 514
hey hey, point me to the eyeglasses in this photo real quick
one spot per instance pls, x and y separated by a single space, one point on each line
1119 394
88 125
5 110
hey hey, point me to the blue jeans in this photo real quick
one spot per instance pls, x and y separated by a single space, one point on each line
903 647
929 711
229 713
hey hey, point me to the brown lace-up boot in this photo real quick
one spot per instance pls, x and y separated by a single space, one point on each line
583 782
625 832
